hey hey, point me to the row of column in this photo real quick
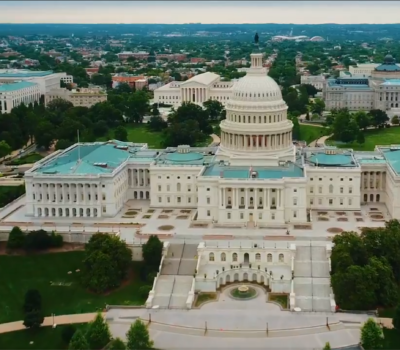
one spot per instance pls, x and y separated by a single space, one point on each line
67 193
266 198
67 212
373 181
138 177
195 95
256 142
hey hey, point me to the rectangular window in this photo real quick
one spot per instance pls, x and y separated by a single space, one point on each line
294 201
241 216
259 216
104 197
311 201
208 213
208 189
311 189
189 200
341 201
330 201
272 216
159 199
319 189
104 209
320 201
229 215
350 201
341 179
341 189
295 190
168 188
350 190
208 200
189 188
178 199
159 188
168 200
295 214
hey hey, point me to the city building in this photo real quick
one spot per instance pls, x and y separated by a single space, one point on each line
82 97
47 80
362 70
380 90
13 94
256 177
317 81
127 54
134 81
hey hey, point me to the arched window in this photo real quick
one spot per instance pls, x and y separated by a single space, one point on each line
211 257
258 256
269 257
234 257
223 257
251 200
281 258
330 188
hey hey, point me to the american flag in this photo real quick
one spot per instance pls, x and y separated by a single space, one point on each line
251 169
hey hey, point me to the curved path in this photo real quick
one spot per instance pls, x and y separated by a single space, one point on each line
215 140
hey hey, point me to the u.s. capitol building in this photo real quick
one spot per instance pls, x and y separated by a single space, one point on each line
256 176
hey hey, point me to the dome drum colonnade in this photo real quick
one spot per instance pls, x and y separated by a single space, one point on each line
256 115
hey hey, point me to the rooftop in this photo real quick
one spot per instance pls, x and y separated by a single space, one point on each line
331 160
392 156
15 86
23 73
204 78
391 82
237 172
95 158
189 158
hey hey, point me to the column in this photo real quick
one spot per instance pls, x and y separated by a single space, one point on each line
269 197
381 180
265 198
255 200
369 181
246 203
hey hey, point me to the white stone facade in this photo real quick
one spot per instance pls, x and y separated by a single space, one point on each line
14 94
83 97
317 81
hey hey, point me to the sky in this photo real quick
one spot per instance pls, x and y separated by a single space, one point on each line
297 12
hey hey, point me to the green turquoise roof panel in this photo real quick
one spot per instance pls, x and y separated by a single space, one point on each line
393 157
323 159
15 86
184 157
10 73
388 68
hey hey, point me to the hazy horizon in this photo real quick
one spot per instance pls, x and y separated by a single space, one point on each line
206 12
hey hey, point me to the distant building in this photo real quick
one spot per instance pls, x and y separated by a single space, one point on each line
83 97
197 60
122 56
317 81
380 90
363 70
16 93
134 81
47 80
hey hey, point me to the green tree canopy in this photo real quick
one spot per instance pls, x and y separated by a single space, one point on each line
78 341
138 337
371 335
16 238
98 334
121 134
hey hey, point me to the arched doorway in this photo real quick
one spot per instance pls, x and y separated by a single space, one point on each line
378 197
371 197
246 258
365 198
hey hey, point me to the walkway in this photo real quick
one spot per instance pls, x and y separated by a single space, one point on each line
48 321
216 140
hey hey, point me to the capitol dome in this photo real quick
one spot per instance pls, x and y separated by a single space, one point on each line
256 121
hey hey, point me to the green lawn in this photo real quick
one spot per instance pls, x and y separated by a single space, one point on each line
310 133
374 137
20 273
46 338
28 159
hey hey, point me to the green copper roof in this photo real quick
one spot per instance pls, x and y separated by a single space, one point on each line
337 160
15 86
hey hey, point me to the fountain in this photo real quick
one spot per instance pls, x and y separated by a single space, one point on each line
243 292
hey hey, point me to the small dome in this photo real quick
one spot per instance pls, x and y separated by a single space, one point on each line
256 88
389 59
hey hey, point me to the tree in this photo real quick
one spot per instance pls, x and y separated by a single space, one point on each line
16 238
395 120
360 138
5 149
78 341
327 346
214 109
121 134
63 144
154 110
33 301
116 344
378 117
311 89
137 106
44 134
33 319
67 333
318 106
344 127
59 105
98 334
152 252
106 263
362 119
371 335
396 318
156 123
138 337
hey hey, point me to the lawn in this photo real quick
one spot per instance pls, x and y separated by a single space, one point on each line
20 273
281 299
28 159
43 338
310 133
139 134
387 136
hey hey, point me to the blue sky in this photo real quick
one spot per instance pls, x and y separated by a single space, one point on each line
309 12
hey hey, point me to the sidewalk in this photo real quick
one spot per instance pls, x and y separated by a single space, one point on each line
48 321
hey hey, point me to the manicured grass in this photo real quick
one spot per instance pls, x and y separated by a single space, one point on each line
310 133
203 297
43 338
281 299
392 339
20 273
28 159
387 136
